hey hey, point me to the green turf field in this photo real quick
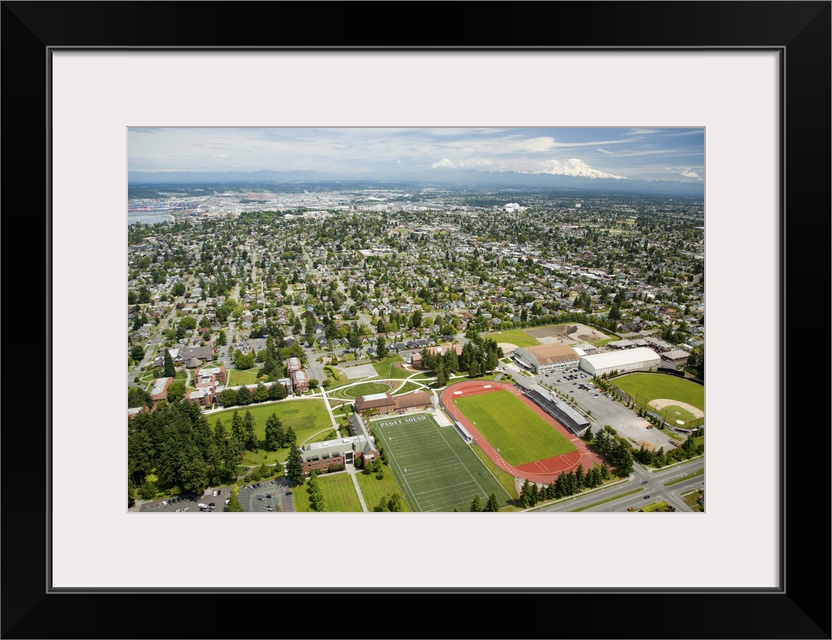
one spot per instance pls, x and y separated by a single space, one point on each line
513 336
434 467
650 386
511 426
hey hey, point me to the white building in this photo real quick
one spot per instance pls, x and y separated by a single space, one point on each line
640 358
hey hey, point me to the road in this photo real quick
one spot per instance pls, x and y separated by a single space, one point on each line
655 488
158 336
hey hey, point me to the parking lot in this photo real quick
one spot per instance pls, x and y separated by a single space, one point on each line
607 411
267 497
188 503
603 409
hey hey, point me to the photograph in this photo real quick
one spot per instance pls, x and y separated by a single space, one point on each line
484 319
461 256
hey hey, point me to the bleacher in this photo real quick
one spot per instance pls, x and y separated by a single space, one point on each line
463 431
573 420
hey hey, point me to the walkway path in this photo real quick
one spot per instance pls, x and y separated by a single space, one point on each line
351 470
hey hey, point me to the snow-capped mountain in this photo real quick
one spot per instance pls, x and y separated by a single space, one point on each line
575 167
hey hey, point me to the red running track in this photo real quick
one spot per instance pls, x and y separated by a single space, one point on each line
542 471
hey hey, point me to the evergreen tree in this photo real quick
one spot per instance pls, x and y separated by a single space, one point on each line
441 373
277 391
291 439
271 361
243 396
534 494
237 427
261 393
170 370
475 503
294 467
525 493
492 505
234 500
579 477
251 441
274 433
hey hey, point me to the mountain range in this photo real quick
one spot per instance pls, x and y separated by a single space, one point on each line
572 174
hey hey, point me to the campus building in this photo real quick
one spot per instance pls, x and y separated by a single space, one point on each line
342 451
160 389
300 383
638 359
547 357
676 357
384 403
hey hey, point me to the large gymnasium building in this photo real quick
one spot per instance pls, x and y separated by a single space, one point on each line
637 359
547 357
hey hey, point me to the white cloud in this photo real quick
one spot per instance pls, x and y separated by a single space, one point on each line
609 153
475 163
687 173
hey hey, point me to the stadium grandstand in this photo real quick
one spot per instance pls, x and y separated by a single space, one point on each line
573 420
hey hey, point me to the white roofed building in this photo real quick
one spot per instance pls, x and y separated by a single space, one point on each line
638 359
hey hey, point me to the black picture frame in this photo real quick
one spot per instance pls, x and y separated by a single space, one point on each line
800 31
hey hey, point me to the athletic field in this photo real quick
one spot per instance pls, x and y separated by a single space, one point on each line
509 425
646 387
434 467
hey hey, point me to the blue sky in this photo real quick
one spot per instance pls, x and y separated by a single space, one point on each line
676 154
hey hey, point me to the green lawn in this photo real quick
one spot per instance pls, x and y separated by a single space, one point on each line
386 369
374 489
306 417
514 336
363 389
602 342
511 426
654 506
650 386
237 377
408 387
692 499
338 490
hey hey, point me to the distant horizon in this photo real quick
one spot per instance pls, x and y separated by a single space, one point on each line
596 154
